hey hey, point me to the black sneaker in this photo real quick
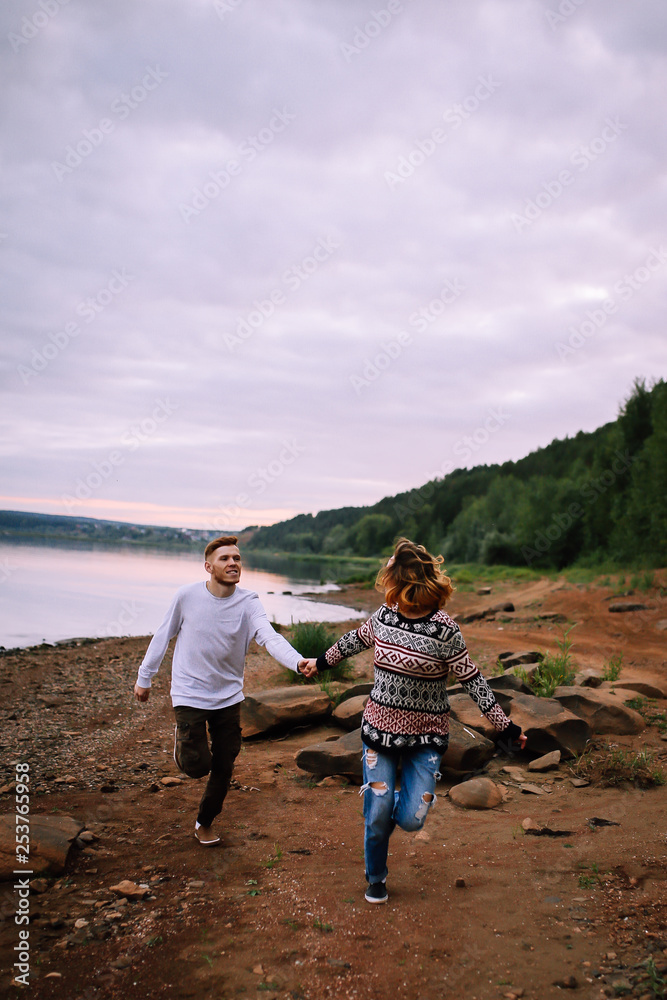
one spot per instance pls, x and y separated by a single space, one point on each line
377 893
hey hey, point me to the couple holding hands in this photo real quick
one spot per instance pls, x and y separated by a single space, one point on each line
406 719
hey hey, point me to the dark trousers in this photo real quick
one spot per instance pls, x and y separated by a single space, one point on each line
196 758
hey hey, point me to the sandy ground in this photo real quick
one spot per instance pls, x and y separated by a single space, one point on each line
278 910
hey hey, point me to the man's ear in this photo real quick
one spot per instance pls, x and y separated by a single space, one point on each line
207 567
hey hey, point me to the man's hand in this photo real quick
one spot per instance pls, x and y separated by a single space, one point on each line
141 694
307 667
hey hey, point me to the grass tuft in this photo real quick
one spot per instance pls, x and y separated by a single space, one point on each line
609 765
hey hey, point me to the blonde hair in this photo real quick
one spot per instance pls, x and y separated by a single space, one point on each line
413 579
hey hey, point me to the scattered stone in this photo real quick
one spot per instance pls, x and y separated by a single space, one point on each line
333 781
78 924
423 836
460 883
532 790
53 975
579 782
282 708
546 762
661 625
604 713
258 970
569 983
170 781
514 772
51 840
478 793
87 836
39 885
129 890
123 962
621 606
551 616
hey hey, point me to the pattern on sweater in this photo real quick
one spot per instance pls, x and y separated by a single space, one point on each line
408 705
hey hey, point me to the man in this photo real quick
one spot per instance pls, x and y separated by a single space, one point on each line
215 621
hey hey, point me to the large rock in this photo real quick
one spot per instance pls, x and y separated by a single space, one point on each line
364 687
283 707
475 616
604 712
508 682
628 687
548 725
467 751
349 712
518 659
340 756
465 711
51 840
478 793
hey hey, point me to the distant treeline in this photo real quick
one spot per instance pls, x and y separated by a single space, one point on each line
595 498
24 526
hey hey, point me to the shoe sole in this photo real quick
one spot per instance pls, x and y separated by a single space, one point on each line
370 899
207 843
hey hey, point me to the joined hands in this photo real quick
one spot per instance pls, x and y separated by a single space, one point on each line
307 667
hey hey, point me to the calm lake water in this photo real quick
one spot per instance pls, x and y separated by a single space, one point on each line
49 593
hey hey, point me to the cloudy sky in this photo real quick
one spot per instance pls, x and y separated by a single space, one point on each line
270 256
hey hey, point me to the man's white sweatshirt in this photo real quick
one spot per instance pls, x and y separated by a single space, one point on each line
213 638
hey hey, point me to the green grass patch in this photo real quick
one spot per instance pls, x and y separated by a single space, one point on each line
312 639
554 670
612 669
609 766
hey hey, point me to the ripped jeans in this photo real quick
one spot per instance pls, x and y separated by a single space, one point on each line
386 808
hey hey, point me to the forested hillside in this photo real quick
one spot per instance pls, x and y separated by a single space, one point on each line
596 497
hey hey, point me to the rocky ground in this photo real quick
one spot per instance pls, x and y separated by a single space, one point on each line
479 908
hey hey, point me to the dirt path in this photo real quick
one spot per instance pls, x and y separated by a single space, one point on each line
278 909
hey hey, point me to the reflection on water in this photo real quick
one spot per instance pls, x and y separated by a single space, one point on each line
49 593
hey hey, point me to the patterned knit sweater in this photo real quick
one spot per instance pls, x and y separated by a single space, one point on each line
408 707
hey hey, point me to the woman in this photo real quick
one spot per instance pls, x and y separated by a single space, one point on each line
406 718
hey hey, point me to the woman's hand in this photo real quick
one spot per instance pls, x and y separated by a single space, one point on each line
307 667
